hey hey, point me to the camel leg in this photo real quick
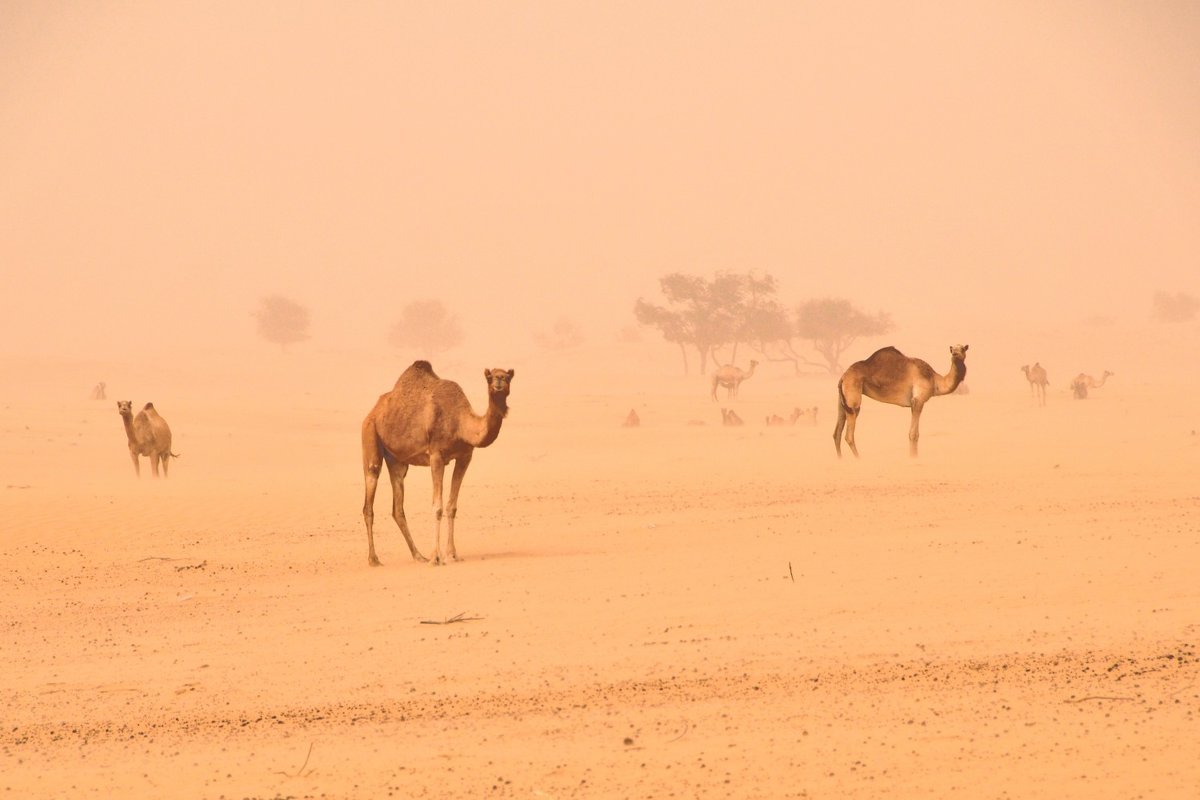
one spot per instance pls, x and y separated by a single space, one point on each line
714 389
437 467
837 431
137 467
372 463
456 478
397 471
154 464
851 421
914 430
166 458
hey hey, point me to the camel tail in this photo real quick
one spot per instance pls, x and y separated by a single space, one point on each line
172 455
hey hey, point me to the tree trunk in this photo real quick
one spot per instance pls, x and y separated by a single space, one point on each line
687 368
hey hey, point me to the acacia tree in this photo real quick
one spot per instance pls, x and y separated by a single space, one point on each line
281 321
832 324
706 314
1178 307
426 326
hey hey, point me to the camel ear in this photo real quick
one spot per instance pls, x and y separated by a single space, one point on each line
487 374
511 373
966 347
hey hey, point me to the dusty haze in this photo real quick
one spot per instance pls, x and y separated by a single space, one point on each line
676 608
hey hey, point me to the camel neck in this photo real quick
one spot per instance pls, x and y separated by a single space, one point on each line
491 421
949 382
129 428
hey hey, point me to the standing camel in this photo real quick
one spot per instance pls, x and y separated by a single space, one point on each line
1036 375
889 376
731 378
426 422
148 434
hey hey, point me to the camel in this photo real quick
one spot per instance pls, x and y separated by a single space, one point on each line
730 417
631 421
731 378
1083 382
774 420
1036 375
425 421
149 435
98 392
804 416
889 376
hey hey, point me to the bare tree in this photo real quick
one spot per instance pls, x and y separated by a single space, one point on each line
427 327
281 321
832 324
1178 307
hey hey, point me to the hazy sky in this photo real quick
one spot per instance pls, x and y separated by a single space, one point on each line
163 165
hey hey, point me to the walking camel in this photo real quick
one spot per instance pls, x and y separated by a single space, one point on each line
427 422
1036 375
889 376
731 378
148 434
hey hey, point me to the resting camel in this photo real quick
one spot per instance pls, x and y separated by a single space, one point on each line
776 421
804 416
1091 382
1036 375
98 392
427 422
889 376
148 434
632 421
730 417
731 378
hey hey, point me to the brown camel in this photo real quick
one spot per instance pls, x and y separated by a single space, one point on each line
889 376
426 422
776 421
148 434
1036 375
1091 382
804 416
730 417
731 378
632 420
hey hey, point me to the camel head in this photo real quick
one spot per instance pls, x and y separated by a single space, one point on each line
125 408
1024 368
958 352
498 382
1108 374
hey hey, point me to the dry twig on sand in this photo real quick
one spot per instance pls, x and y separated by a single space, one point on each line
456 618
300 773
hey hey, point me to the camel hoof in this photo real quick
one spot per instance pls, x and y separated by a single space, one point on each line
374 562
418 557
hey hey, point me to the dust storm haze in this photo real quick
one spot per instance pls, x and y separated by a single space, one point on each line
1019 177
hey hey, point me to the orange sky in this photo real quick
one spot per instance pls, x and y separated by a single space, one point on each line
163 165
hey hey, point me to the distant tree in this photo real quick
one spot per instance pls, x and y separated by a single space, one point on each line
426 327
706 314
1178 307
832 324
281 321
563 335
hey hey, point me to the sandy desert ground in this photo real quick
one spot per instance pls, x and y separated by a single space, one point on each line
668 611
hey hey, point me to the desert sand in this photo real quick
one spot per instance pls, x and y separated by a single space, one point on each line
672 610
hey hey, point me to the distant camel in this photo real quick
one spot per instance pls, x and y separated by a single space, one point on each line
1082 382
427 422
631 421
889 376
804 416
730 417
731 378
1036 375
148 435
774 420
98 392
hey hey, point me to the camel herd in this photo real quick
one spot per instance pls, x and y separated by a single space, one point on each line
428 422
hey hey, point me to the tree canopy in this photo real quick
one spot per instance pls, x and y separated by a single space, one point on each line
281 321
427 327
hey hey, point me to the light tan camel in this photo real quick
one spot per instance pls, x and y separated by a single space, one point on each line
730 417
776 421
98 392
148 434
632 420
889 376
804 416
1036 375
1091 382
427 422
731 378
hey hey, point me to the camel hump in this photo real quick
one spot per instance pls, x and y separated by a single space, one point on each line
148 407
423 366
